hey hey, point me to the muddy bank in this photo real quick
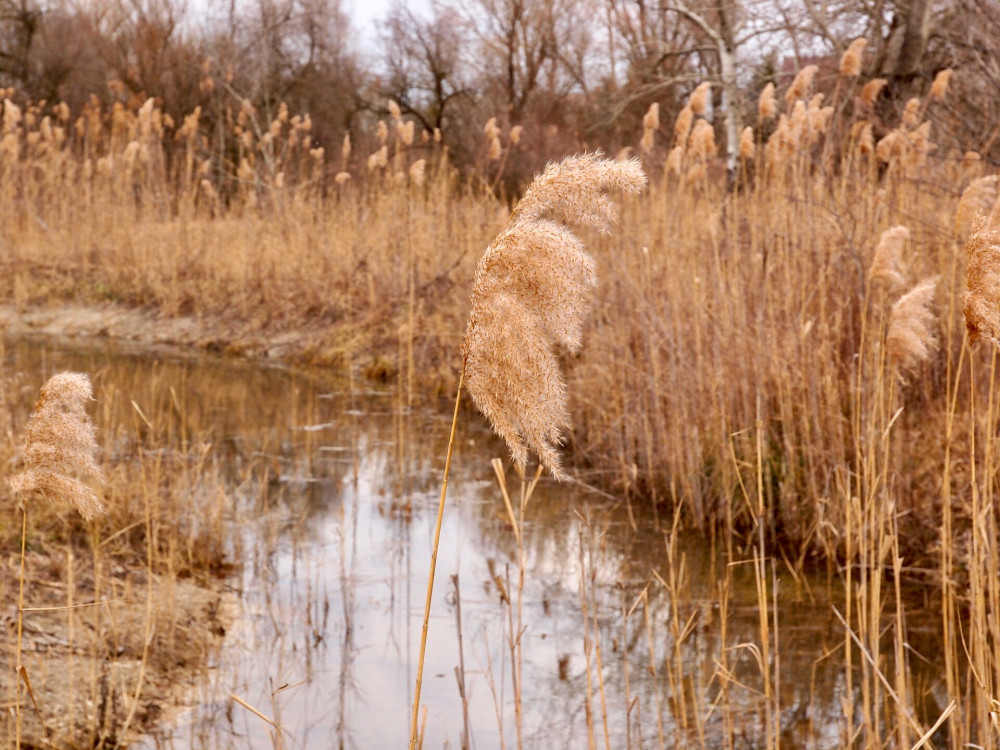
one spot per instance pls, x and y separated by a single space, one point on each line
145 326
103 674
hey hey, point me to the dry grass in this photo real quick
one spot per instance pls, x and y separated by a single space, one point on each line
738 367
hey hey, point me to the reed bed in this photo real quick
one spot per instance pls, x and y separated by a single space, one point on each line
777 358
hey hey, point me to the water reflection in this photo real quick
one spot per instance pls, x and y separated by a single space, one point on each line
334 492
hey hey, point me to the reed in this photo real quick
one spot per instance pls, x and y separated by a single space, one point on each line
741 367
528 297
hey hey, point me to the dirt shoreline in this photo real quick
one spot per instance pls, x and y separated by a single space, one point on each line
91 691
145 326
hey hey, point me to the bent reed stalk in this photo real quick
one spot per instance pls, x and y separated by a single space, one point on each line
529 295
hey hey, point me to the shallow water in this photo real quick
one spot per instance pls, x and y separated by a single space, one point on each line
334 489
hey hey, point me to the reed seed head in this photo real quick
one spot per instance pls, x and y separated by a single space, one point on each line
939 89
529 295
699 98
910 339
651 120
682 127
978 198
850 62
646 143
871 90
887 264
981 300
747 144
417 170
801 84
59 448
911 112
766 107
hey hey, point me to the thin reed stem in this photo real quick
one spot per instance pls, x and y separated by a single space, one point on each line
433 567
20 626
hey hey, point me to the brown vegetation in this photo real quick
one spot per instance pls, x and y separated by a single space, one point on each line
740 361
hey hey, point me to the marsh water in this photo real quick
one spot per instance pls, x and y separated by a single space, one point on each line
632 634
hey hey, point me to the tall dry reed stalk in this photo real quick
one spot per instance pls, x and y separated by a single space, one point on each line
529 296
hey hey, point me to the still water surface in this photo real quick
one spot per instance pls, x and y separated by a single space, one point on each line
333 489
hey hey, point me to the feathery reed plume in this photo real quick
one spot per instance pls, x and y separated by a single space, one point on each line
345 149
801 84
699 97
696 173
530 294
382 132
417 172
11 116
766 108
495 149
939 89
747 144
978 198
909 339
871 90
646 142
682 127
702 140
887 264
491 130
893 146
515 135
341 177
59 447
981 300
921 145
651 120
850 62
379 159
866 138
971 160
993 222
674 160
911 112
394 111
650 124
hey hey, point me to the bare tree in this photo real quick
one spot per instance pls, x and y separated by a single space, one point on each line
427 75
19 23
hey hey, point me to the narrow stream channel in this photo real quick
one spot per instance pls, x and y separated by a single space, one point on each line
632 636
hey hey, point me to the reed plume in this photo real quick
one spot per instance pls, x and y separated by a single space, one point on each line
747 144
939 88
978 198
871 90
651 120
909 339
801 84
59 448
529 294
887 264
682 127
850 62
981 300
766 107
699 97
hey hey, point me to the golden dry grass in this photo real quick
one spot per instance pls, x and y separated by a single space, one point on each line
738 361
